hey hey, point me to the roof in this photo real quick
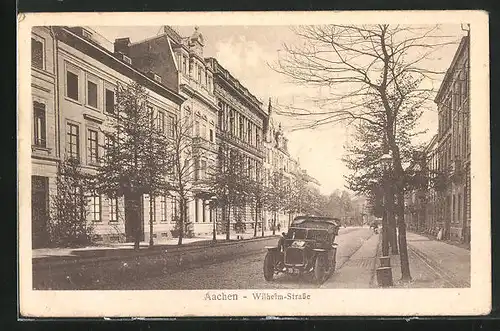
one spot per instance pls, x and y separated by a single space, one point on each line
464 44
314 221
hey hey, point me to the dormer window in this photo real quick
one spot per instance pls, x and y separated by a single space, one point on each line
86 34
127 59
157 78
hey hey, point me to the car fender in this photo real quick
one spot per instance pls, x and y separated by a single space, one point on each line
319 250
271 248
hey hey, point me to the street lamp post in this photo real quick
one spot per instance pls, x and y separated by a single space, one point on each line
385 161
384 271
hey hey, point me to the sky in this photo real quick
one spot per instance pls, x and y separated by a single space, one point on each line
249 52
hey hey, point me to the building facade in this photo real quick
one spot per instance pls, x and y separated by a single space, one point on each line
75 74
74 96
180 62
432 224
453 146
45 148
277 162
239 131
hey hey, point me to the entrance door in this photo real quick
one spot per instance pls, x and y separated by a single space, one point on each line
39 211
133 217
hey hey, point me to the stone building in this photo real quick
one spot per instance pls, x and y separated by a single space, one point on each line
431 167
277 160
74 81
45 148
453 146
179 61
240 124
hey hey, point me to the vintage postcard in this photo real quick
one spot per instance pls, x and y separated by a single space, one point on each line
254 164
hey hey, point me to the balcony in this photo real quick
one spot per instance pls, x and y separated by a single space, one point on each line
199 142
228 137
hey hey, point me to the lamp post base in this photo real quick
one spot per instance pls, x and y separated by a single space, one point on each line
384 276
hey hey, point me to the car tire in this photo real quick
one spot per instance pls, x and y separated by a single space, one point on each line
269 267
320 269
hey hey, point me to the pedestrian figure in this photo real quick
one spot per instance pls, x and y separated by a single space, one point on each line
279 226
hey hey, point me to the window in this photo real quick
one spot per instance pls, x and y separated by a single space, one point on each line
109 142
210 83
92 143
163 209
203 169
459 207
204 131
196 210
39 123
196 169
95 208
250 140
161 122
73 141
92 94
197 128
110 101
113 210
171 127
157 78
203 211
453 219
241 128
174 209
199 74
72 85
184 65
211 135
36 53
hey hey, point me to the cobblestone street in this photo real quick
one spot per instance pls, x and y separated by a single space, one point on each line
246 272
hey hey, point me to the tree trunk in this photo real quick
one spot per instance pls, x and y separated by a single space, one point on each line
261 221
403 248
256 224
274 223
398 175
228 223
392 236
182 220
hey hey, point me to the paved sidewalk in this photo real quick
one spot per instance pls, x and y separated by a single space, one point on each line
358 270
110 248
451 261
433 264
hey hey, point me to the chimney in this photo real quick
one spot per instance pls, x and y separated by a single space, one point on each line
122 45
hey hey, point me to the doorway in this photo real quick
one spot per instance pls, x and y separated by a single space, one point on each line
133 217
39 211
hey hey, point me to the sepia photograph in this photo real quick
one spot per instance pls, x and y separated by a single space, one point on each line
254 167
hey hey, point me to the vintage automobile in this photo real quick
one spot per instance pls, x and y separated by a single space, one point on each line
308 248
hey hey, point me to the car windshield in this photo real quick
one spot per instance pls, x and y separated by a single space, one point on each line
310 234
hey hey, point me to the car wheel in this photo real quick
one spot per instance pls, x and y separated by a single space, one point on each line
320 269
269 267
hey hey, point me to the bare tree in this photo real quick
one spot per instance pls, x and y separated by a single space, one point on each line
229 183
373 74
185 155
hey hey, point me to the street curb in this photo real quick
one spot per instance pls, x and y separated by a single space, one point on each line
106 273
50 262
